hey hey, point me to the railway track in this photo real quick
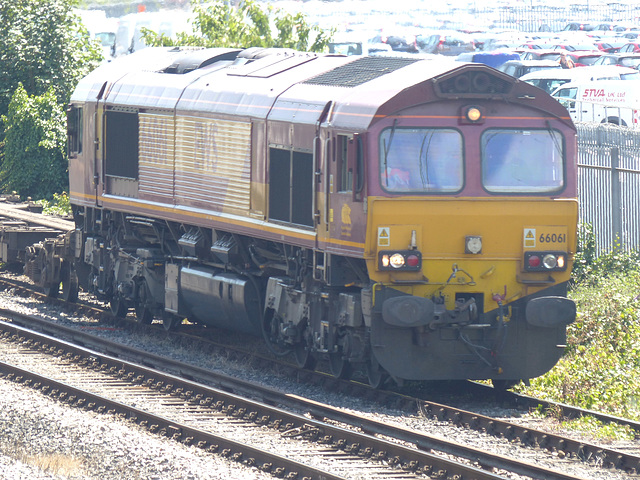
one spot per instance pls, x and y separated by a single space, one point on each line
18 217
332 415
190 412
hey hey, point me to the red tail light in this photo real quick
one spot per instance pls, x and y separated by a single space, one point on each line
545 261
400 260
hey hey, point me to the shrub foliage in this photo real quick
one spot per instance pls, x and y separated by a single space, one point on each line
45 51
601 366
249 24
34 162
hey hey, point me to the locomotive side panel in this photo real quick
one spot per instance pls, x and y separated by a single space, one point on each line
213 164
157 157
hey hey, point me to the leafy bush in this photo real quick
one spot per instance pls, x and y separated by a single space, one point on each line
591 426
600 369
590 265
34 161
247 24
44 46
601 366
60 205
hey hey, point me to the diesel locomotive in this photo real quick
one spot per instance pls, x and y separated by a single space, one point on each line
414 218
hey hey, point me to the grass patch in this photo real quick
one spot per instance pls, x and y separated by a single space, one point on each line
594 428
53 464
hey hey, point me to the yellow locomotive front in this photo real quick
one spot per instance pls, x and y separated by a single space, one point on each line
471 232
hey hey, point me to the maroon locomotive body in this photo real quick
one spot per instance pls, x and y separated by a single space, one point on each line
373 210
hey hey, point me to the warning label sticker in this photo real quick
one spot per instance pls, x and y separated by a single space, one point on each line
384 238
529 238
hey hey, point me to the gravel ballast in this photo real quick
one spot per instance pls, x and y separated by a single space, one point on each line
44 439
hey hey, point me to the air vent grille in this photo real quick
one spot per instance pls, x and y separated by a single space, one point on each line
360 71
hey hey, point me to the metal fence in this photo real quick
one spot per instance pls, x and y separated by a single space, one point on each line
536 17
609 183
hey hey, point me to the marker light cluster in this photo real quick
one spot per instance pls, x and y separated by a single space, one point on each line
403 260
545 261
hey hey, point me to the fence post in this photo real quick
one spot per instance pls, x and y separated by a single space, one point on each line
616 201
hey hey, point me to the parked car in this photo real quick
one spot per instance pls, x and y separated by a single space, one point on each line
518 68
573 47
493 59
541 55
398 42
621 28
580 57
579 27
622 59
533 46
550 80
609 46
583 59
631 47
446 43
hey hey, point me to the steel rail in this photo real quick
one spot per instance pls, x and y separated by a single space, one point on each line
318 410
266 461
360 444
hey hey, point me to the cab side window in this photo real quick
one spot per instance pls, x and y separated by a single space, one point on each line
344 170
74 131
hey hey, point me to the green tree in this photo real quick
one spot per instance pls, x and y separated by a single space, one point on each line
43 45
44 51
249 24
34 162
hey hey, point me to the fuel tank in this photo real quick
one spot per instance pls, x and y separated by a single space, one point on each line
220 299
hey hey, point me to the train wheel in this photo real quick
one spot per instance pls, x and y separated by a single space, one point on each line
340 367
503 385
171 322
375 374
304 357
118 306
144 316
69 282
52 290
271 323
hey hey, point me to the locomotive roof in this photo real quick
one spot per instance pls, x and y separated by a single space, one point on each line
259 83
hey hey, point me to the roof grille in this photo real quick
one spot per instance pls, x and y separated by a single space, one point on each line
360 71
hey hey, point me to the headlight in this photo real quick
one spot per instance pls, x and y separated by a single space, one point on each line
550 261
545 261
396 260
404 260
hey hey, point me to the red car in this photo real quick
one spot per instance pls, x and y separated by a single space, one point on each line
609 47
623 59
630 47
584 59
540 54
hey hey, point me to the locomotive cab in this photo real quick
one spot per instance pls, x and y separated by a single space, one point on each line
471 235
